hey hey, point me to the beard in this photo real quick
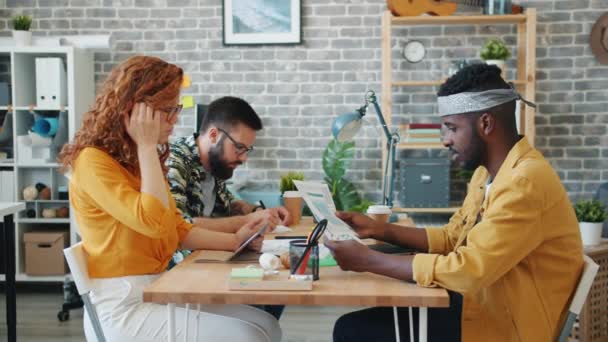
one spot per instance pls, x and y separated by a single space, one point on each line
475 153
220 168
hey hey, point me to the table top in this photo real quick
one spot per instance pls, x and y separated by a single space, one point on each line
207 283
602 248
7 208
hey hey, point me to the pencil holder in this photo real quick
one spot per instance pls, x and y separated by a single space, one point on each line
305 258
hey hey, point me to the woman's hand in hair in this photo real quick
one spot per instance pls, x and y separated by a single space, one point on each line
144 125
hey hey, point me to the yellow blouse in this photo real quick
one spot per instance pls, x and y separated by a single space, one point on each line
124 231
519 263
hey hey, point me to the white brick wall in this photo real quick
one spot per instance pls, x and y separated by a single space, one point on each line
300 89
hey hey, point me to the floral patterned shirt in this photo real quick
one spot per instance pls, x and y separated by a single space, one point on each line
190 182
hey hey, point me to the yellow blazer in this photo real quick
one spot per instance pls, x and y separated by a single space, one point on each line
124 231
515 255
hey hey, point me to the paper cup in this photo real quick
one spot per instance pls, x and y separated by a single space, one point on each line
293 203
379 212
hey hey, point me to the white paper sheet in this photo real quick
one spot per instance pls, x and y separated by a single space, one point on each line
321 204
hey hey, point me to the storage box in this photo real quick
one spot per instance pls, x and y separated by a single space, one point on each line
425 182
44 253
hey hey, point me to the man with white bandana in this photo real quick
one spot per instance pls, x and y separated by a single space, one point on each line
510 257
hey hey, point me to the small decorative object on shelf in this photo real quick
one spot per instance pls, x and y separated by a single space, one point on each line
63 212
30 193
591 215
21 30
30 213
495 52
40 186
49 213
45 194
62 193
493 7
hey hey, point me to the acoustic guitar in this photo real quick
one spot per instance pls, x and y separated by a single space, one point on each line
414 8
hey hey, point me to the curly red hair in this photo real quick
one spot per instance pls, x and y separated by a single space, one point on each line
138 79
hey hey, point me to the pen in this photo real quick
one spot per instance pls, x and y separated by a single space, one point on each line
262 205
283 237
311 241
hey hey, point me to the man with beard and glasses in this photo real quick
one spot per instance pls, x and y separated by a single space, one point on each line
200 164
510 258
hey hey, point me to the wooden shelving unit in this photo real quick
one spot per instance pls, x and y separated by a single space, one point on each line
80 90
524 82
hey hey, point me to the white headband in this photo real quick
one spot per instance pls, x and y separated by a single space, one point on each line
477 101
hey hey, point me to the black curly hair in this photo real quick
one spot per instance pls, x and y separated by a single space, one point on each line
481 77
475 77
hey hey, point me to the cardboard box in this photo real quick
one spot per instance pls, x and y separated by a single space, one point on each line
44 253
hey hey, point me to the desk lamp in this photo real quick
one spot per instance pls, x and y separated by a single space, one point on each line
346 126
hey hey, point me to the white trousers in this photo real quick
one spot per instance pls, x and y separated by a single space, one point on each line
125 317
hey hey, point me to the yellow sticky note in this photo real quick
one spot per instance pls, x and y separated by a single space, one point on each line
186 82
187 101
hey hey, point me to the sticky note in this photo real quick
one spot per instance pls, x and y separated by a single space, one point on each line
187 101
186 82
249 273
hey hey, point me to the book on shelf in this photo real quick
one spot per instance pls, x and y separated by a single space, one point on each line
421 140
423 136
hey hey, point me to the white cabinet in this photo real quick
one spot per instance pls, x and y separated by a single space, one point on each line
51 87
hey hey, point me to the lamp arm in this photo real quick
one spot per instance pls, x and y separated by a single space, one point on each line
389 171
392 139
380 116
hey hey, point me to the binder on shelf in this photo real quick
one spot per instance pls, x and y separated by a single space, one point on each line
7 186
51 83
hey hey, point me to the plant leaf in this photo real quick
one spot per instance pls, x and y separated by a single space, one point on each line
336 158
347 195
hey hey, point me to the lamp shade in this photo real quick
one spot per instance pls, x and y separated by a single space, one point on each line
346 126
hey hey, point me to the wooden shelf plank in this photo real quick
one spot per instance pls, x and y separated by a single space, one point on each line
26 277
43 220
67 108
460 20
436 83
42 165
416 146
448 210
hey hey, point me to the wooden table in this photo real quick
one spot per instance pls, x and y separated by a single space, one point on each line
7 210
206 283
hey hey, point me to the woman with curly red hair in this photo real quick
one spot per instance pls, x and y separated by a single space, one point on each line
128 221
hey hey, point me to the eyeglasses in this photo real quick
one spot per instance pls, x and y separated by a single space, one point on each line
240 147
172 112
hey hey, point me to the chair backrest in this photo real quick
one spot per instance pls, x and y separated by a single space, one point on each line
580 296
77 260
584 285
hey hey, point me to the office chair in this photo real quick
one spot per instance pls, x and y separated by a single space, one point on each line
580 296
77 260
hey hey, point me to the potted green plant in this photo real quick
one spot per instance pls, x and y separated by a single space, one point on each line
287 181
336 159
292 200
495 52
590 214
21 30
